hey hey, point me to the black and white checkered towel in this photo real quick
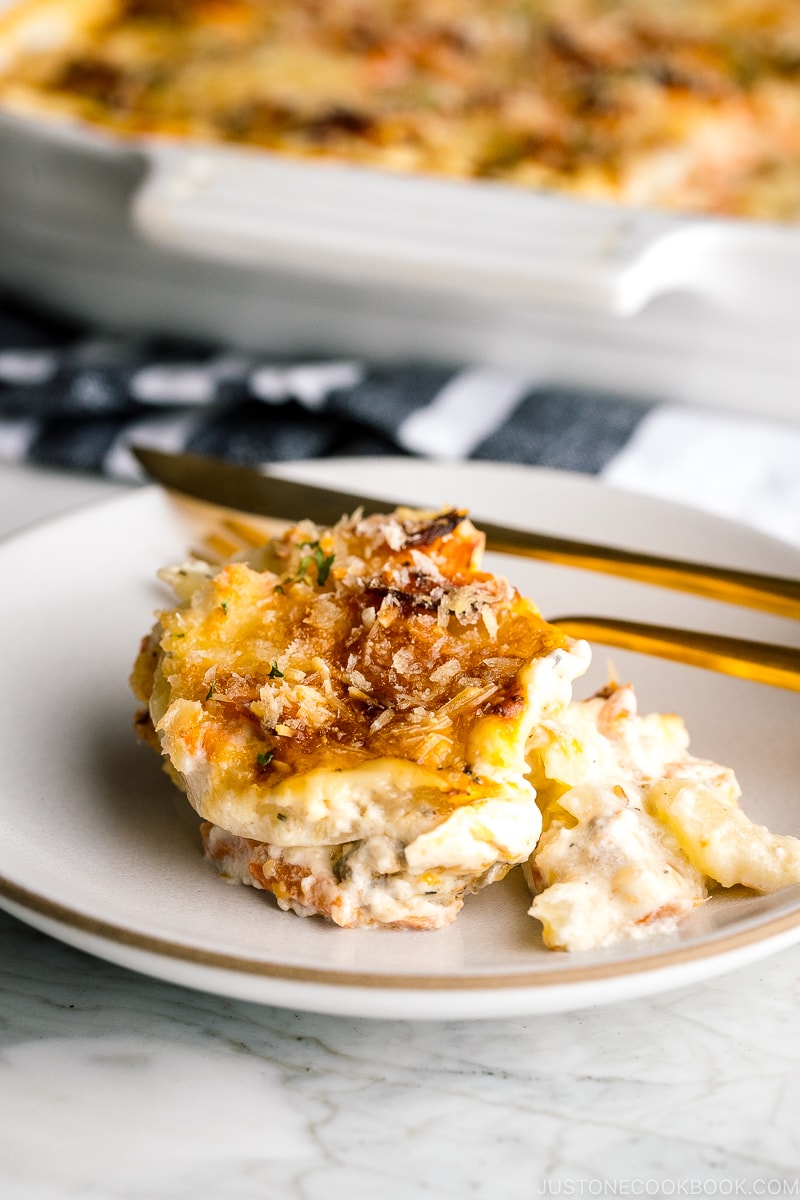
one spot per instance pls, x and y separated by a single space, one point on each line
72 399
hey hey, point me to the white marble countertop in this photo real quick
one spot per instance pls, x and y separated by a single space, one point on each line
113 1085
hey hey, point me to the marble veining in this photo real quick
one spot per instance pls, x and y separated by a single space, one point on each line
115 1085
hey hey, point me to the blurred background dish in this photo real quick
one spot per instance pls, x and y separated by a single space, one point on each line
660 260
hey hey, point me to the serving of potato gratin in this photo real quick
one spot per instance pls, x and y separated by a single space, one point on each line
373 727
690 105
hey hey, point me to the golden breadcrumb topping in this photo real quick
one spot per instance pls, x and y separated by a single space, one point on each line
376 638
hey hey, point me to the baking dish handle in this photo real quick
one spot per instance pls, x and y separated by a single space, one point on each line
445 236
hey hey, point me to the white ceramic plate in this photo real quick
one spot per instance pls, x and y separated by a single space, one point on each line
98 849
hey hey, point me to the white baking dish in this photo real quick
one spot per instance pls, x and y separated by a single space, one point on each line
293 257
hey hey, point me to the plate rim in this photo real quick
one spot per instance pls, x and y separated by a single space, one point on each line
73 919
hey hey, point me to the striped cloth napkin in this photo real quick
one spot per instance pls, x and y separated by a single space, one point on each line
71 398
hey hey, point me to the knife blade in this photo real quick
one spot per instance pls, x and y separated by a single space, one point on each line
248 489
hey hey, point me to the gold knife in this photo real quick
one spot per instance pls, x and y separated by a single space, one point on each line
247 489
250 490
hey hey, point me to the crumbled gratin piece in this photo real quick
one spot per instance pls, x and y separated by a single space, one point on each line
349 711
691 105
636 830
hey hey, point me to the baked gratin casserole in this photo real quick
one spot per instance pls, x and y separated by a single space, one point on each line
691 105
349 711
372 727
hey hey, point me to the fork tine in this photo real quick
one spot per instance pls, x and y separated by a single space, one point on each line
231 537
220 546
245 531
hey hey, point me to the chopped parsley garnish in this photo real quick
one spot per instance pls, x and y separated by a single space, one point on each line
302 568
210 691
275 672
265 757
322 562
224 606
